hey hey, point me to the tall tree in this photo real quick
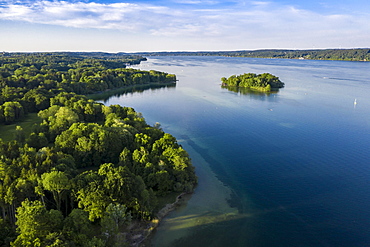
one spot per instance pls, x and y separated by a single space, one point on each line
35 223
56 182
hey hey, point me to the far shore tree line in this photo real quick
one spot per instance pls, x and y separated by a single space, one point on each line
356 54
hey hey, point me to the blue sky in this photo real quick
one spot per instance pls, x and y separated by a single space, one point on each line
182 25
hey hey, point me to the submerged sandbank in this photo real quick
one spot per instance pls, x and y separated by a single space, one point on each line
207 205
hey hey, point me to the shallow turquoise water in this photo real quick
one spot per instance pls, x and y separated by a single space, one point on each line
285 169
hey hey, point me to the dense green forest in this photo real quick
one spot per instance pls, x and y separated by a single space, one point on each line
87 169
319 54
28 81
263 82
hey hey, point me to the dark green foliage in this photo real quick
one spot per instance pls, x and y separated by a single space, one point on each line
87 168
360 54
264 82
77 229
28 81
37 140
115 216
36 224
7 233
327 54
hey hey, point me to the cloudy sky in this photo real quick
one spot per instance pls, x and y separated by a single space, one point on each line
182 25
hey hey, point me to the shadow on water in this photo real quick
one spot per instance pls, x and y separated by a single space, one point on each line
105 96
234 201
253 94
247 230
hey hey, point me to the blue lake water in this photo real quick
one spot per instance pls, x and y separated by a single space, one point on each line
284 169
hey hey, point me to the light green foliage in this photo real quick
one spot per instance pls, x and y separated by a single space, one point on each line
11 112
92 144
264 82
112 184
58 119
50 112
90 194
35 223
56 182
55 239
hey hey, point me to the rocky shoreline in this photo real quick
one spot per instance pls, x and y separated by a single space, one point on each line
139 231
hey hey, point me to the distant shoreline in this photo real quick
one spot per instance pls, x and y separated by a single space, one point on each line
355 54
349 54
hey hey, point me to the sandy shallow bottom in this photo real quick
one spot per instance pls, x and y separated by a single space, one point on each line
207 205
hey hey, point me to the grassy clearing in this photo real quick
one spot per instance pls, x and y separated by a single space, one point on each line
7 132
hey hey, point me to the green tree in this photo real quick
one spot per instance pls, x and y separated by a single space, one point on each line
91 195
56 182
12 111
77 227
37 140
115 216
35 223
19 134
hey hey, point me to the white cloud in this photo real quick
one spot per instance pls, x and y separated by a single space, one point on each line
14 11
81 15
196 2
264 24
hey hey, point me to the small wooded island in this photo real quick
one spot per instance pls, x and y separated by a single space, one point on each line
265 82
85 174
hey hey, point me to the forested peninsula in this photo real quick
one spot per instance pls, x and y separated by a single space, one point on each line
84 170
359 54
265 82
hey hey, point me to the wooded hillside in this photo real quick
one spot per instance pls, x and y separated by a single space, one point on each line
87 169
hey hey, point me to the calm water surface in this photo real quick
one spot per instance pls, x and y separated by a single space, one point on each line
285 169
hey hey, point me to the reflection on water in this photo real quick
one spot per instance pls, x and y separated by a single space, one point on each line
252 93
137 89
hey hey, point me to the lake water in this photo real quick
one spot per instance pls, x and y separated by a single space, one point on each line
284 169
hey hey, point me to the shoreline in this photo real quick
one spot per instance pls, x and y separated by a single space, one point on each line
103 95
208 204
138 232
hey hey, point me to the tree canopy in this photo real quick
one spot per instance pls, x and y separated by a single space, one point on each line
29 80
87 169
263 82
